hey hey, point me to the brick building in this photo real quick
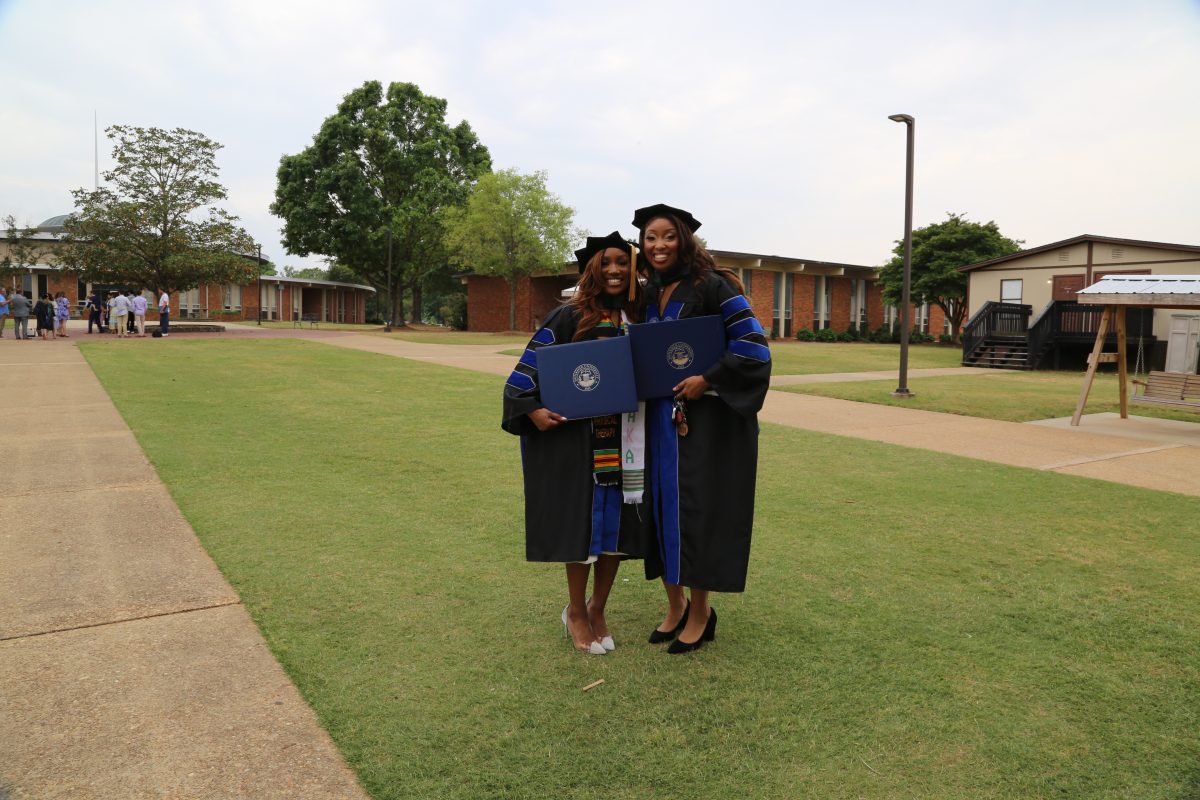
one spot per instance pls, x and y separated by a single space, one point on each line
787 294
273 297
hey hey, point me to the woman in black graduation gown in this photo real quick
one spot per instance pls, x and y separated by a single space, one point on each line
583 505
703 444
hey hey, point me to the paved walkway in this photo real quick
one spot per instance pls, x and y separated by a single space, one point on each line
128 666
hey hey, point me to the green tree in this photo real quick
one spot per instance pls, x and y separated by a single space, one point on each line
23 250
512 226
382 163
315 273
938 251
154 223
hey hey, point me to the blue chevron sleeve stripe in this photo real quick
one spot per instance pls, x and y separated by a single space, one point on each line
734 305
750 350
520 381
543 336
529 359
743 327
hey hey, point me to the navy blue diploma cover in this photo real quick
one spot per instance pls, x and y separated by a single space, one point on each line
587 379
664 353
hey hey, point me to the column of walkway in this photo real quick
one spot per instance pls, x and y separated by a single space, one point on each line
128 666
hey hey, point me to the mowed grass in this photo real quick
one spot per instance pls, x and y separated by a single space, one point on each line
1004 395
916 625
789 357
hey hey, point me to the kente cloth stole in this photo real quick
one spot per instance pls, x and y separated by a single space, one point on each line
606 431
619 440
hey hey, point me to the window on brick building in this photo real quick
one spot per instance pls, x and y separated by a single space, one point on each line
232 297
822 294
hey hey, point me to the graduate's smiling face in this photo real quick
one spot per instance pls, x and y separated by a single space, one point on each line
660 243
614 270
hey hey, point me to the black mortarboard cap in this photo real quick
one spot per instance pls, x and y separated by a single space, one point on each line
642 216
596 244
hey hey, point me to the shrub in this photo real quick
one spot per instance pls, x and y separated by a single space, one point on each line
826 335
846 336
804 335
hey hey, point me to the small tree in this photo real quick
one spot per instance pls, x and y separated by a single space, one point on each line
23 250
938 251
511 227
153 225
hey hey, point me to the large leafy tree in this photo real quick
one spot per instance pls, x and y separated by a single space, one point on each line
384 163
938 251
512 226
154 223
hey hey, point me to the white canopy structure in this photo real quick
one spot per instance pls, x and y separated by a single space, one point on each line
1116 293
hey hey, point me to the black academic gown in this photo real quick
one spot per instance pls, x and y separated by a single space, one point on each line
557 465
702 484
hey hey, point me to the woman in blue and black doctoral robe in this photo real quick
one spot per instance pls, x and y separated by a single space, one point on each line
703 444
584 478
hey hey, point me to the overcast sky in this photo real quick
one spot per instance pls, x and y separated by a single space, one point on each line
767 120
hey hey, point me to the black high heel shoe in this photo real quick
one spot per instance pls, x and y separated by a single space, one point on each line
710 633
658 637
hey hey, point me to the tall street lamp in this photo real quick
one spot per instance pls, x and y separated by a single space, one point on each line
260 292
911 124
387 323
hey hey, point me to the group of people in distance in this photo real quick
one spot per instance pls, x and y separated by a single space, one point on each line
121 312
50 314
124 313
683 497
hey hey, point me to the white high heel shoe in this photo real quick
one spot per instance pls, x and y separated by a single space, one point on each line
605 641
595 648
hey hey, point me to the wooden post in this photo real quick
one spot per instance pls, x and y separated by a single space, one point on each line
1121 369
1093 362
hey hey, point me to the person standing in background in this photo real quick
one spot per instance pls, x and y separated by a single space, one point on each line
164 311
119 309
43 313
19 305
95 311
3 311
139 305
62 314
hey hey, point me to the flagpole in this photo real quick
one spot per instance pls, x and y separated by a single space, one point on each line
96 145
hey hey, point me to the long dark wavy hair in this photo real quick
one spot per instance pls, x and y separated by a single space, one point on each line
691 253
590 290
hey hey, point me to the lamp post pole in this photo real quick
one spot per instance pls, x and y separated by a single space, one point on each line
260 294
905 302
387 324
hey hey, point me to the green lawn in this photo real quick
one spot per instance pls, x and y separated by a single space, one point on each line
950 629
789 357
1013 396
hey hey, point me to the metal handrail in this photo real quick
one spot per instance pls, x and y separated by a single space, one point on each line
994 319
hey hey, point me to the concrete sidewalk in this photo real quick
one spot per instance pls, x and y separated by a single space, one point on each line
128 666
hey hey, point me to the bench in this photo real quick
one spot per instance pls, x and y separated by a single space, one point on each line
1175 389
311 319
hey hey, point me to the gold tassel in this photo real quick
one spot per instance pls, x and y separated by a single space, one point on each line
633 273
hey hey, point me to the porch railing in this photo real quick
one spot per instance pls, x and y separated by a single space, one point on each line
994 319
